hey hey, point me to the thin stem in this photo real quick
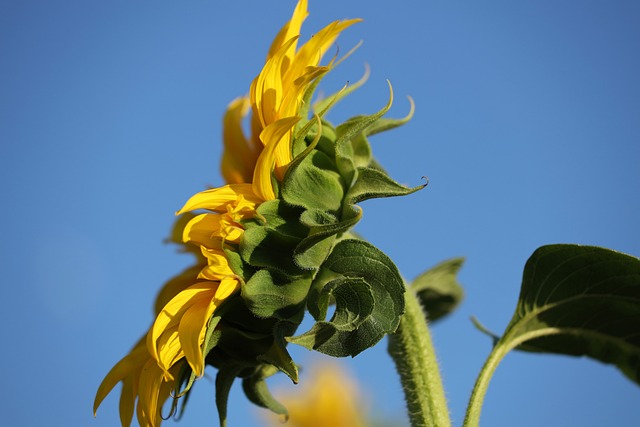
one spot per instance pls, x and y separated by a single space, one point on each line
472 418
412 351
511 339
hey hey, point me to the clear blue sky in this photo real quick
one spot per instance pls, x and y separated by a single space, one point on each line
527 124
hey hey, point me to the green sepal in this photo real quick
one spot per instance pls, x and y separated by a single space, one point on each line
346 132
362 155
277 355
237 265
224 381
369 294
324 105
438 289
372 183
579 301
256 390
314 183
261 247
385 124
270 294
323 227
327 140
280 218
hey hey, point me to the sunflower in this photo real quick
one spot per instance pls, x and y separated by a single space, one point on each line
252 167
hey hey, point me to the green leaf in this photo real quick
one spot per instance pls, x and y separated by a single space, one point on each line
438 289
369 295
580 301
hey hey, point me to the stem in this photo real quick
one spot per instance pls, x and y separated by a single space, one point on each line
412 351
510 340
472 418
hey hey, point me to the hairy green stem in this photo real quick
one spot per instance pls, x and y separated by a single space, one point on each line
412 351
472 418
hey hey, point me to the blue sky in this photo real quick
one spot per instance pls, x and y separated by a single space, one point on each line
527 124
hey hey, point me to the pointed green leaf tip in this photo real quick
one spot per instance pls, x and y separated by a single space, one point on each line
438 288
580 301
369 296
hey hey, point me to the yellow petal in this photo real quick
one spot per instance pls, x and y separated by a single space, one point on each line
203 230
239 155
216 199
192 331
273 135
128 399
218 267
290 29
228 286
169 349
267 90
311 53
169 318
149 393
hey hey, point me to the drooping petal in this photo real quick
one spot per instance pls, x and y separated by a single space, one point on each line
169 317
217 199
169 349
192 331
128 399
273 135
149 395
123 369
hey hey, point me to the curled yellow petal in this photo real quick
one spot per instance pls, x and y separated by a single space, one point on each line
311 53
203 230
217 199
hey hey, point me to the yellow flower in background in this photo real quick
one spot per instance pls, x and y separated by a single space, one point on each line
330 397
